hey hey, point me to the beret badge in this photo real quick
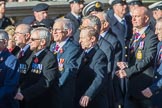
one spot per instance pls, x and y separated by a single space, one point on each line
97 5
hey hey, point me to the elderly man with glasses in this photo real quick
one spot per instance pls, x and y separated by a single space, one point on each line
67 53
41 73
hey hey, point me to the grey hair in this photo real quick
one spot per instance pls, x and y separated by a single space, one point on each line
67 24
26 28
94 21
105 16
4 34
43 33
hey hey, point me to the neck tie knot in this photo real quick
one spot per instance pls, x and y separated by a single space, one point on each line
57 47
21 54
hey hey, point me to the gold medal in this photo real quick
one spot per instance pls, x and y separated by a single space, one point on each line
139 55
61 68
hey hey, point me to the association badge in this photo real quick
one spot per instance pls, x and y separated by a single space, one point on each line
139 55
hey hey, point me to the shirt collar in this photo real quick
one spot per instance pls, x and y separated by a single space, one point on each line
37 54
143 30
25 48
118 18
61 44
103 34
88 50
75 15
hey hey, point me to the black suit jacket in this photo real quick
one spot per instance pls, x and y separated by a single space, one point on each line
111 38
37 85
92 78
140 71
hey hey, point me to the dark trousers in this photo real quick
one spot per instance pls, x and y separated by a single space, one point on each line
131 102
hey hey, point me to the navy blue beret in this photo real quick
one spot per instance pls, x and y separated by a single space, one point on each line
40 7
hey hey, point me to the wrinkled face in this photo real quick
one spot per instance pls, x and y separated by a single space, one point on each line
35 41
58 33
85 40
104 23
85 23
157 14
20 36
39 16
77 7
139 19
158 31
2 7
120 9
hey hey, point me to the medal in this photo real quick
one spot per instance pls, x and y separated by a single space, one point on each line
141 45
139 55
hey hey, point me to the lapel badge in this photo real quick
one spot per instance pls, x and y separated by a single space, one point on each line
36 60
61 50
143 36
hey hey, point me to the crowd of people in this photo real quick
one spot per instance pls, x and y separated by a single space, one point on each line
90 58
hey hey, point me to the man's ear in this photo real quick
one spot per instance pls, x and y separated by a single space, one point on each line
27 36
93 38
43 42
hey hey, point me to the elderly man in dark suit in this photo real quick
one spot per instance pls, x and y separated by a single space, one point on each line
42 73
154 90
67 53
109 36
139 70
92 76
22 36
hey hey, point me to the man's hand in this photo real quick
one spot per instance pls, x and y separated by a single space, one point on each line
122 65
84 101
121 73
19 96
147 92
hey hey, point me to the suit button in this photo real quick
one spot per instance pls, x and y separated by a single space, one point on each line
126 55
155 77
126 47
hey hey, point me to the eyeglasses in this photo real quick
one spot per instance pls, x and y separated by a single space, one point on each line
58 30
20 33
1 40
33 39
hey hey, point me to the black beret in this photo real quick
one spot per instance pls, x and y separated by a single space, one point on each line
113 2
28 20
134 2
76 1
92 6
40 7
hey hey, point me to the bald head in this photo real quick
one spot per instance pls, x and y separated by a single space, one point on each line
140 17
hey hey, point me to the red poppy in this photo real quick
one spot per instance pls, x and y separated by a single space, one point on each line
61 50
36 60
143 35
